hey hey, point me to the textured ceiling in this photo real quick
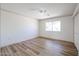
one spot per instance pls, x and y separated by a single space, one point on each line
41 10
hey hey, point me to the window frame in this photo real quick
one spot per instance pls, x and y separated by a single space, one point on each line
53 26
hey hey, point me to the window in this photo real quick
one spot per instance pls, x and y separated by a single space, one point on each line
53 26
56 26
48 26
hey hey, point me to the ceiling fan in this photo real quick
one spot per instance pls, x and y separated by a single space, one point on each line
40 10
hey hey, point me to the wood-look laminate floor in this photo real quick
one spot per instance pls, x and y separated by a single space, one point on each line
40 47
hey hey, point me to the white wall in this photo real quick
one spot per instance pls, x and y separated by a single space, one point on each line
0 25
66 33
16 28
76 31
76 27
